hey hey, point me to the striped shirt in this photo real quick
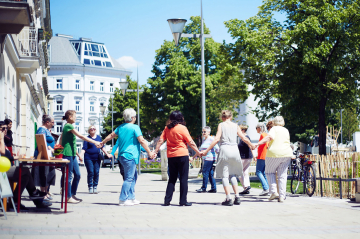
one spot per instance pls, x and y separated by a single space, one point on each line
211 156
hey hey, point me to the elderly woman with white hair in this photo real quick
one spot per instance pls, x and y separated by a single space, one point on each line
278 157
209 159
260 162
129 141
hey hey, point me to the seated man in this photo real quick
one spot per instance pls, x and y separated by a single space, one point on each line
26 179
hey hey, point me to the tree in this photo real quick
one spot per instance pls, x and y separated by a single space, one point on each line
176 84
122 102
304 65
350 123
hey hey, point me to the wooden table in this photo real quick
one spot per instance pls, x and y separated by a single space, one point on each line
60 163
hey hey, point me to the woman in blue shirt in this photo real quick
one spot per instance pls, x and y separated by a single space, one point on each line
92 161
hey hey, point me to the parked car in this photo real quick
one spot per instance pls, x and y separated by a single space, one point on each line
107 161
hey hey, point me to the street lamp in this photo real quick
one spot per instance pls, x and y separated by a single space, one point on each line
177 26
102 111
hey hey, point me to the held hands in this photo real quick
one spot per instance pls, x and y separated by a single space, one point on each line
99 144
254 146
152 155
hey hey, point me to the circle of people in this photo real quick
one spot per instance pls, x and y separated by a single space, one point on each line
233 159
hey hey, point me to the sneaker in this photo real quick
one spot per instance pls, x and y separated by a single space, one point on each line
37 194
126 203
281 199
264 193
51 194
135 202
201 190
76 198
227 202
246 191
44 204
91 190
72 200
237 201
47 199
22 207
273 196
212 191
95 191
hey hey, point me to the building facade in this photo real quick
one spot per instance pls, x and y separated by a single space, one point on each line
25 28
82 77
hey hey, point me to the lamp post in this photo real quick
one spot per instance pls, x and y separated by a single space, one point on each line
177 26
102 111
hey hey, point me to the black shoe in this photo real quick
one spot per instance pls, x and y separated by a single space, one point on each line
246 191
22 207
227 203
212 191
37 194
237 201
186 204
201 190
166 204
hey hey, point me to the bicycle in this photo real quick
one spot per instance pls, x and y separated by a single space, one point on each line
303 172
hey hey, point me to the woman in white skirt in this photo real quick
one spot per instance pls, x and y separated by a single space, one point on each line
229 163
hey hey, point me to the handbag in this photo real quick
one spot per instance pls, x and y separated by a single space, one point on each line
101 156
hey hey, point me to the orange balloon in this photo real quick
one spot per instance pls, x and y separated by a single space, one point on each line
4 164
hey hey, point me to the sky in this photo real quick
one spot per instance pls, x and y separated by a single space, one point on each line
133 30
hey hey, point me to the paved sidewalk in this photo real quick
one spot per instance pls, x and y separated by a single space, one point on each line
256 217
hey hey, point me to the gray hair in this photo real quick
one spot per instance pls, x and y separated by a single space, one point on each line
207 128
128 114
279 121
47 118
262 127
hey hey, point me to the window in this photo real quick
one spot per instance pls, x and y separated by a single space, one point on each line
101 104
59 84
58 127
77 47
101 86
92 109
59 105
111 87
91 85
48 108
77 85
77 106
97 63
78 148
87 61
77 126
108 64
95 50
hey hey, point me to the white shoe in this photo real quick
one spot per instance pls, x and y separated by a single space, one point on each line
72 200
135 202
273 196
264 193
281 199
126 203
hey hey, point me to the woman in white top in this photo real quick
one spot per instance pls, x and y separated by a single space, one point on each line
229 161
278 157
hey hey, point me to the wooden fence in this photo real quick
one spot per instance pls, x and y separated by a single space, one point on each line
343 166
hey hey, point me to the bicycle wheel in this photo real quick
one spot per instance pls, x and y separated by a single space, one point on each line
295 180
310 180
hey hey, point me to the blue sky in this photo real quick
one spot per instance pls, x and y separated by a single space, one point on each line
133 30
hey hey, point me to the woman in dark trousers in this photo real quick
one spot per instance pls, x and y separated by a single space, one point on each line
177 136
90 153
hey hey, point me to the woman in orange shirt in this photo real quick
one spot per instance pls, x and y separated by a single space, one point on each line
177 136
260 163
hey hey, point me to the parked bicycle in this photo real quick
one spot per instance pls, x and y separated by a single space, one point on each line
303 174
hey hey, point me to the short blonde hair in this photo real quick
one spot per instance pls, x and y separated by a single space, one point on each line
91 126
279 121
244 127
226 114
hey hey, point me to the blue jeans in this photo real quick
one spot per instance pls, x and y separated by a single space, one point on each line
74 173
92 168
260 173
208 174
130 174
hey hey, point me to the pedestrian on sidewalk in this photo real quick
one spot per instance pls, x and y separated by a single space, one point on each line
278 157
92 159
209 159
129 140
260 163
8 137
44 176
178 137
229 161
246 158
68 141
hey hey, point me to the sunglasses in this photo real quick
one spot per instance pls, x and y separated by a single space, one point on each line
3 128
204 132
92 129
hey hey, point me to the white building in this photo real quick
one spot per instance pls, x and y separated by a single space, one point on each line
82 77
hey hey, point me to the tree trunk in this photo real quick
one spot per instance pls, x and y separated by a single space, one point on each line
322 127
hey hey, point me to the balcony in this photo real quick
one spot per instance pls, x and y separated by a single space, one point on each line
14 15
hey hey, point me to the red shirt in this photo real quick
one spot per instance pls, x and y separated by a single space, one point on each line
177 138
262 149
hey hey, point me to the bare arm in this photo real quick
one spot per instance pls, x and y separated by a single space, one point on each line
60 141
244 138
82 152
109 137
143 143
77 133
194 147
106 153
266 139
158 145
215 141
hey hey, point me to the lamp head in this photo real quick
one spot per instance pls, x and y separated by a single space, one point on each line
123 86
176 27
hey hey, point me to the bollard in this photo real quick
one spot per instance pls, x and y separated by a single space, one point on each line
164 165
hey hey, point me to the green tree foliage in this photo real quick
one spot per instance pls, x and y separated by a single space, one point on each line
350 123
304 65
176 84
121 102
